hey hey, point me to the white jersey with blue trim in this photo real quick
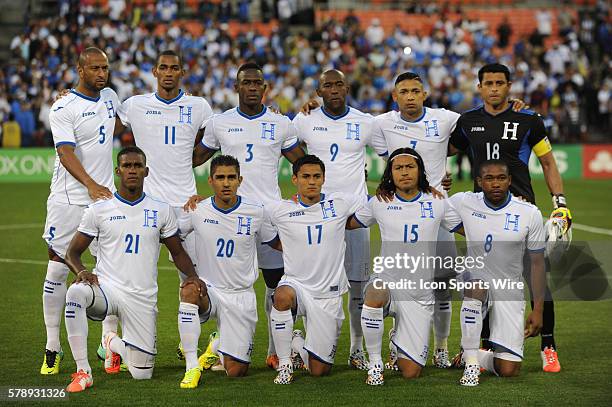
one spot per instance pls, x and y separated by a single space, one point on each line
313 241
226 243
340 142
428 135
87 124
257 142
499 234
166 131
129 234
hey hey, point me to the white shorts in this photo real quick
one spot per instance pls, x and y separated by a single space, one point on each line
61 224
325 317
507 322
268 258
138 317
412 326
357 255
236 315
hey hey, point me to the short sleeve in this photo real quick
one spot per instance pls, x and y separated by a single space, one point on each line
291 140
62 126
365 215
88 225
185 224
535 237
122 112
269 213
537 132
458 138
379 144
451 220
297 123
355 202
210 140
207 113
170 226
267 232
453 118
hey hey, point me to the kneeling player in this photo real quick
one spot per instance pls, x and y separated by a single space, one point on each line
312 234
498 228
226 227
129 229
409 223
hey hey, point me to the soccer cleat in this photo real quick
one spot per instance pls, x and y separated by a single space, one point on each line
81 380
272 362
470 376
375 377
285 375
101 354
191 380
550 360
440 359
51 362
357 360
209 358
296 359
112 360
458 362
392 362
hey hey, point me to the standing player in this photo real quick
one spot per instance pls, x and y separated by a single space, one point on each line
226 226
339 134
82 123
499 228
312 235
495 131
409 224
257 137
129 229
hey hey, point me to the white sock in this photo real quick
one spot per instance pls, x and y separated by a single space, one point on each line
355 305
118 346
486 359
77 299
373 330
282 331
109 324
268 308
297 345
189 330
54 299
443 312
471 326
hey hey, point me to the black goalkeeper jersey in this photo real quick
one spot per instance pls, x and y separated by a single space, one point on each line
508 136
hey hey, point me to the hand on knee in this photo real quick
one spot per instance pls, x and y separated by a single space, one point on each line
190 293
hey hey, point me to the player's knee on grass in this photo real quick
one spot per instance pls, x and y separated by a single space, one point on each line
233 368
375 297
409 369
506 368
318 368
140 364
284 298
272 276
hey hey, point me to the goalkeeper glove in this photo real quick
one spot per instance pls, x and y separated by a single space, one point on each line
561 212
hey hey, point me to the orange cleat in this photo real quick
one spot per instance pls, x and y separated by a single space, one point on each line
272 362
81 380
550 360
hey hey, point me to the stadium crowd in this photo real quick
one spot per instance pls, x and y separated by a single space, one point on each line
569 83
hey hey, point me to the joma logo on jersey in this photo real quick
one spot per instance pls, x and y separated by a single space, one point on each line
119 217
235 129
394 208
319 128
297 213
400 127
478 128
89 114
153 112
328 209
512 222
214 222
479 215
150 218
244 225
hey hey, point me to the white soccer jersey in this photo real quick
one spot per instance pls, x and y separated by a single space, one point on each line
340 142
226 241
500 235
257 142
87 124
428 135
166 131
129 236
313 241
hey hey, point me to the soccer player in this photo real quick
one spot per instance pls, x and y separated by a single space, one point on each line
227 228
129 228
257 137
409 224
339 134
82 124
311 232
499 228
495 131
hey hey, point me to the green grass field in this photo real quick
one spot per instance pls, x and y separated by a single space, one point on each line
584 335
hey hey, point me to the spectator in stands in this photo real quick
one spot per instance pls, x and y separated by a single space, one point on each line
11 133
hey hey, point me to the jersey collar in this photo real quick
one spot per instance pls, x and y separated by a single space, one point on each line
85 96
228 210
416 120
416 198
131 203
496 208
169 101
498 114
308 206
331 116
255 116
